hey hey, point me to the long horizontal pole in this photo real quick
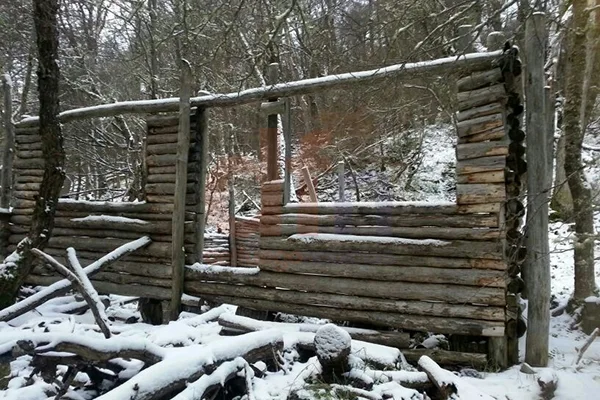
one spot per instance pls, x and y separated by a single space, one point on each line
304 86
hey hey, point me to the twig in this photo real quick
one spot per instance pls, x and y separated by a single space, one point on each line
587 344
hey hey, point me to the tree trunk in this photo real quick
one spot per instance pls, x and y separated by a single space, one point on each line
574 133
45 19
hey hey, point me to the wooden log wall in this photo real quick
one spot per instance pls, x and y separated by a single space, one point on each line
96 228
246 241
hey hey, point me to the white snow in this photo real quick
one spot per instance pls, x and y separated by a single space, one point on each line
330 237
110 218
218 269
331 342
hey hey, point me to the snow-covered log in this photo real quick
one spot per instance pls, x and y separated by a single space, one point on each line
449 385
189 364
305 86
79 279
333 346
61 287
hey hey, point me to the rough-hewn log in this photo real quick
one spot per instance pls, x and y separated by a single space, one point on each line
379 318
447 383
480 111
480 97
162 138
480 193
6 175
482 177
408 220
492 135
482 164
382 259
468 151
448 358
475 277
456 248
479 79
403 232
471 61
369 208
275 199
91 207
352 287
473 126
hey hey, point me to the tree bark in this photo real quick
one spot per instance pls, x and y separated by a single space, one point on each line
574 133
45 20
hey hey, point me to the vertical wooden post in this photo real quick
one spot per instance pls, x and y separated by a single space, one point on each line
538 265
287 135
495 41
183 144
550 122
341 181
200 209
231 186
9 144
272 173
464 39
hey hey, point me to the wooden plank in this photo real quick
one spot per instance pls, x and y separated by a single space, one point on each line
312 193
201 148
481 277
493 134
456 248
480 193
369 208
480 111
402 232
479 79
467 151
473 126
482 164
383 259
408 220
480 97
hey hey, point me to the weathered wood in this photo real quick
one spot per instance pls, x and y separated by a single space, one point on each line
479 79
469 151
29 154
448 383
275 185
456 248
200 191
168 188
381 259
275 199
369 208
27 186
21 163
475 277
155 227
403 232
448 358
482 177
457 294
162 148
24 139
312 193
91 207
272 126
393 319
480 97
498 352
482 164
161 139
493 135
480 193
6 175
408 220
480 111
537 266
473 126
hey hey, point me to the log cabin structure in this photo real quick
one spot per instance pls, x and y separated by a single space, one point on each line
449 268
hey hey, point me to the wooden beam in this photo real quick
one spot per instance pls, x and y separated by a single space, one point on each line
312 193
183 144
475 61
538 254
9 144
200 208
272 147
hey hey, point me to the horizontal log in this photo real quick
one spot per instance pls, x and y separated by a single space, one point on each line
94 255
152 292
480 97
169 129
268 200
353 287
160 178
29 154
170 169
28 187
442 66
493 135
26 139
161 148
482 177
483 208
369 208
378 318
333 243
401 232
190 199
161 139
37 145
480 193
155 270
25 195
359 303
480 111
111 207
383 259
161 160
28 163
478 361
273 186
475 277
469 151
409 220
166 216
480 124
479 79
166 188
30 172
482 164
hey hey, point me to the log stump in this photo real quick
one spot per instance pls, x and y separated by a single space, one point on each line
333 345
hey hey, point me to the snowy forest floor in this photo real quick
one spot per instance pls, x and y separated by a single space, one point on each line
192 331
